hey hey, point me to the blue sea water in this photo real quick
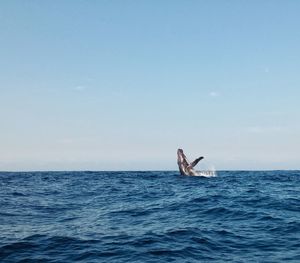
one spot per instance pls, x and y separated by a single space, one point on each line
240 216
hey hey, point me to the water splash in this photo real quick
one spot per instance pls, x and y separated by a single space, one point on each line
207 173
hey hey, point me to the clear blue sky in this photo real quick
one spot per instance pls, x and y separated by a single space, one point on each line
120 85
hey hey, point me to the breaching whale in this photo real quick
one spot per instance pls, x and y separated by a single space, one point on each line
185 167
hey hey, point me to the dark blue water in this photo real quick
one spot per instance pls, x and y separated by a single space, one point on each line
149 217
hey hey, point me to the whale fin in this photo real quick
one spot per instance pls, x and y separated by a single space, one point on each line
194 163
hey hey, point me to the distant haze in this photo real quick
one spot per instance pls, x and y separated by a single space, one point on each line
120 85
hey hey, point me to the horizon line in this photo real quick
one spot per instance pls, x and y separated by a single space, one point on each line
221 170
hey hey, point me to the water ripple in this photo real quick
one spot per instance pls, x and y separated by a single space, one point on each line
149 217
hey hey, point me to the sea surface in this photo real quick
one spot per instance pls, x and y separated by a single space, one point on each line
238 216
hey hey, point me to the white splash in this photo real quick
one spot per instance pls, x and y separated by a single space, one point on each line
211 172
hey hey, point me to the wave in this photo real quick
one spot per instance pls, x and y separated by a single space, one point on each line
244 216
207 173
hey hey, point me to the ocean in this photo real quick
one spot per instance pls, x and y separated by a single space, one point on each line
237 216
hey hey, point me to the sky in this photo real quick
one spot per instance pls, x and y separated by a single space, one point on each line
120 85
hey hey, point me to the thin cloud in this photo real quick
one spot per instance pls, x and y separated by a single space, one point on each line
65 141
265 129
264 69
214 94
80 88
273 113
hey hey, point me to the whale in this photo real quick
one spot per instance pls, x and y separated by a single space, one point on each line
185 167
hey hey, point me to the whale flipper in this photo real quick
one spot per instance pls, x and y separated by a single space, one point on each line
194 163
